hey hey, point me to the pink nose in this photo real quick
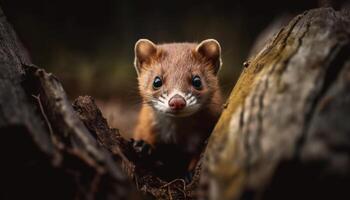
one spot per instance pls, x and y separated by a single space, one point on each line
177 102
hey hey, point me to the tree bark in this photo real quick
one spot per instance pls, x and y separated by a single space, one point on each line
47 152
53 150
284 132
284 125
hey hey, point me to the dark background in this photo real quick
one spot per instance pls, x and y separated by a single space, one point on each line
89 44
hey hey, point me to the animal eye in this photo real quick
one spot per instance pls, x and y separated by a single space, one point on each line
157 83
196 82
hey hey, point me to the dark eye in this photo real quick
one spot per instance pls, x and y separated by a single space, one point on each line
157 83
196 82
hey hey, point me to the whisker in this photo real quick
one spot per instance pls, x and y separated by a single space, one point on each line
163 99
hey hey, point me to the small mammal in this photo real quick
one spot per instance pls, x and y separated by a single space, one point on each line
181 97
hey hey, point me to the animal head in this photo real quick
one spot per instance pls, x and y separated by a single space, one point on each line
177 79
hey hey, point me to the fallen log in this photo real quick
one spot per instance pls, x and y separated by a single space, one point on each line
65 151
285 133
284 125
47 152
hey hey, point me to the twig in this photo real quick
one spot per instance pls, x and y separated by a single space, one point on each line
173 181
44 114
137 182
57 158
169 193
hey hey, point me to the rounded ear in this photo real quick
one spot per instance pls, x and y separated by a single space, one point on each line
210 50
144 51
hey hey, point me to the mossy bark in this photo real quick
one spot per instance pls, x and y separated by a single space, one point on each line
284 126
284 133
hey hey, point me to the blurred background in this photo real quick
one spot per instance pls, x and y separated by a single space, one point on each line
89 45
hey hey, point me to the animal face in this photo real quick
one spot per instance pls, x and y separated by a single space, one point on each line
176 79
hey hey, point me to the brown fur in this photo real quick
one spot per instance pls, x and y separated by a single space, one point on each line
177 63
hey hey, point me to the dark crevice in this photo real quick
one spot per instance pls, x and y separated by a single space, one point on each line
241 116
300 43
298 18
247 134
276 40
293 180
27 166
256 143
337 57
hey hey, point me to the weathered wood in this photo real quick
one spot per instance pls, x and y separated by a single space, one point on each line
47 152
23 135
141 170
15 109
105 178
267 34
72 153
285 131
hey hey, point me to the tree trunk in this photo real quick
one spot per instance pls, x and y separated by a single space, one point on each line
284 125
285 133
47 152
54 151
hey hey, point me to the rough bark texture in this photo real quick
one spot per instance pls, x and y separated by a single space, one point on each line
53 150
46 151
285 132
140 170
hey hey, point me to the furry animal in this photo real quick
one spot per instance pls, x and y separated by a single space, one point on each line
181 97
